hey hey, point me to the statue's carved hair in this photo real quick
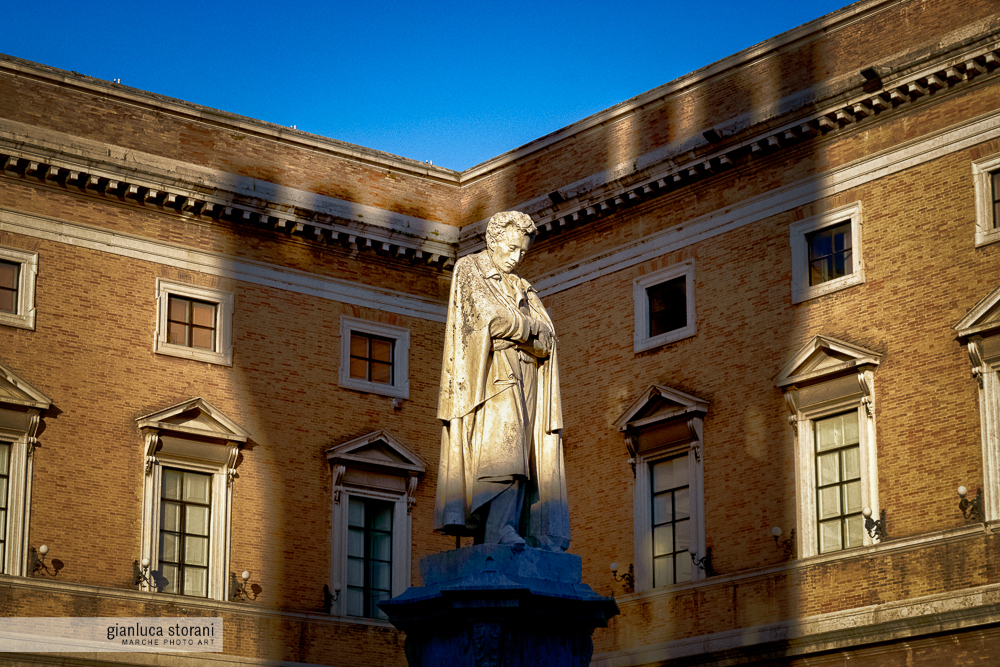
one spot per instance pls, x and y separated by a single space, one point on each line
498 224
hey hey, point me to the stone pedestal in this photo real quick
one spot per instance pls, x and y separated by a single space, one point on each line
499 606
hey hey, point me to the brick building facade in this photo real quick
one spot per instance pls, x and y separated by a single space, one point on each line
776 282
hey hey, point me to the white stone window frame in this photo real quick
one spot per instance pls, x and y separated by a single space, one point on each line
169 445
980 331
798 233
21 410
987 229
24 318
861 364
690 411
224 302
642 340
356 474
400 387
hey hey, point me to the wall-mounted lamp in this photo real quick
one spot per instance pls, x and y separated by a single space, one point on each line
329 599
876 529
788 545
140 574
972 510
38 560
238 587
704 563
627 579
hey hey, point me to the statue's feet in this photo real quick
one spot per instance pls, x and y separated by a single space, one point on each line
509 536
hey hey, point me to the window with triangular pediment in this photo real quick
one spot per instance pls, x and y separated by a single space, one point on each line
375 480
829 389
21 410
980 331
190 451
663 435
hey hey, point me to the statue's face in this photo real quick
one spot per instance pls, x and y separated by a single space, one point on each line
510 250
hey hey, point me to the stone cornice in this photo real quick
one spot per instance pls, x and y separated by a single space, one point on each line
162 103
99 170
218 264
690 160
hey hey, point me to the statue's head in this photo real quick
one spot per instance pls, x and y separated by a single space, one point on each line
508 236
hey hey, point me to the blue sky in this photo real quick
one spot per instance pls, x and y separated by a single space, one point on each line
452 82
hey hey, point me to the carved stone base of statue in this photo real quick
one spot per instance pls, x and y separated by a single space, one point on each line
493 605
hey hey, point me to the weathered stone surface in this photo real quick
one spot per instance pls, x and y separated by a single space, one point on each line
500 606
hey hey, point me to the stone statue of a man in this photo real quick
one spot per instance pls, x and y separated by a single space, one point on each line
502 478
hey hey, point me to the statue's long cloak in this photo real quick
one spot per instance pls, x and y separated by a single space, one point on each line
480 336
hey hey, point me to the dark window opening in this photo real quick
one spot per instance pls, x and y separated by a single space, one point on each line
369 556
371 358
9 276
667 306
830 253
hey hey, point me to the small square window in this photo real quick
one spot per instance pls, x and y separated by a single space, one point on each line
826 253
829 253
194 322
986 182
17 288
667 306
374 357
664 306
371 358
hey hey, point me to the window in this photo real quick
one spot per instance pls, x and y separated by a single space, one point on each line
838 482
980 331
826 253
986 184
190 452
371 358
185 508
17 288
5 448
375 480
21 410
664 306
194 322
829 253
829 391
374 357
369 556
671 492
191 323
663 435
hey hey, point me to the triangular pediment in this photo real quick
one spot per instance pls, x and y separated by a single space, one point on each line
984 316
824 356
195 416
379 450
14 390
659 403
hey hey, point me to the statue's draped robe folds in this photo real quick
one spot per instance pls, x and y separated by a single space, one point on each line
488 389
